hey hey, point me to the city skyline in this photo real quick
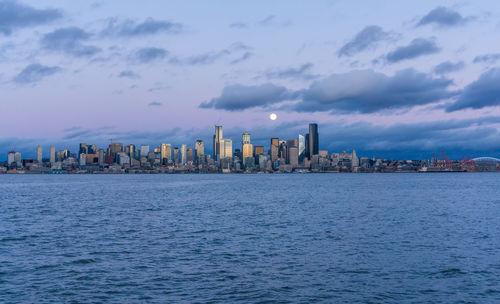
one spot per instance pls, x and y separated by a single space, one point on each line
393 80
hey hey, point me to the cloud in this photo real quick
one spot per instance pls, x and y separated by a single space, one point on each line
244 57
448 67
238 25
417 47
367 38
211 57
129 28
34 73
301 72
14 15
129 74
69 40
155 104
150 54
273 20
367 91
487 58
238 97
484 92
443 17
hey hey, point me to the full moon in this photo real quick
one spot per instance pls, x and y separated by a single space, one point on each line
273 116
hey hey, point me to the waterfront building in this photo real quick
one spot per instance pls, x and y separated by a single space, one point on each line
313 140
39 154
52 156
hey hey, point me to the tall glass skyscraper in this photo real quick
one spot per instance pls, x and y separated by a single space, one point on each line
313 140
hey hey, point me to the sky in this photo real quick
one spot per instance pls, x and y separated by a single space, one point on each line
391 79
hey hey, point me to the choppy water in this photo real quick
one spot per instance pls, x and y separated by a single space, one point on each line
379 238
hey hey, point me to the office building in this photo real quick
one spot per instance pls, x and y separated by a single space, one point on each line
52 156
166 153
144 151
199 150
217 142
183 154
302 147
39 154
176 155
273 151
313 140
226 148
189 156
259 150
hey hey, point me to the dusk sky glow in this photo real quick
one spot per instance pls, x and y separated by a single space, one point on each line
398 79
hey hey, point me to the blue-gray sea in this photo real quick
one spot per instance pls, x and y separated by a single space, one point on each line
313 238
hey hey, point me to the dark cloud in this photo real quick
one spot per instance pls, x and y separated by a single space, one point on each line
238 97
129 74
34 73
301 72
448 67
367 38
130 28
14 15
368 92
487 58
443 17
150 54
484 92
155 104
417 47
70 41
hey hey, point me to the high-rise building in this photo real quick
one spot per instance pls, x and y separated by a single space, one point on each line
131 151
39 154
307 146
302 147
293 156
17 159
226 148
11 157
166 152
176 155
291 143
354 159
273 150
217 142
199 150
84 149
100 157
93 149
259 150
247 147
313 139
189 156
52 154
144 150
183 154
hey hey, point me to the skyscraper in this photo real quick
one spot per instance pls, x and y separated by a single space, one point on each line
52 154
189 156
199 150
84 149
226 148
247 147
302 147
183 154
39 154
217 142
165 152
291 143
176 155
259 150
313 139
144 150
274 148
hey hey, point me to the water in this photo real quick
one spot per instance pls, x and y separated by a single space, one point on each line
370 238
